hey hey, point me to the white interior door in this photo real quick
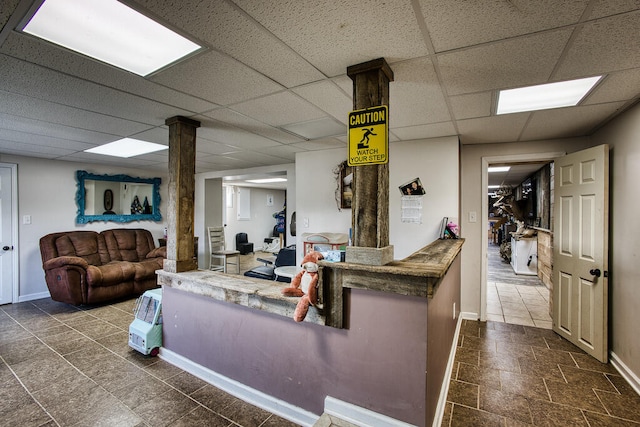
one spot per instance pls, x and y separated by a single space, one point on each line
7 253
580 249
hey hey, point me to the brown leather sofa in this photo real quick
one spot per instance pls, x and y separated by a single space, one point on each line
87 267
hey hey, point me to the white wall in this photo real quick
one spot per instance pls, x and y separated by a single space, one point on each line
262 221
434 161
622 135
47 192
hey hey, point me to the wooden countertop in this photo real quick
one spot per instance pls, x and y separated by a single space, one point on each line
417 275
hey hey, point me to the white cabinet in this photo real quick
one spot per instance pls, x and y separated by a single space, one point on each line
524 255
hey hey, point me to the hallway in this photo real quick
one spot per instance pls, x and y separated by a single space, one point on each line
512 298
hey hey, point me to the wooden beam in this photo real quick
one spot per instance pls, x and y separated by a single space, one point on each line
370 203
180 210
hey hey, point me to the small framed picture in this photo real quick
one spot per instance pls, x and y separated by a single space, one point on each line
412 188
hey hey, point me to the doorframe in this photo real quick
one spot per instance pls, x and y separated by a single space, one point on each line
15 264
486 161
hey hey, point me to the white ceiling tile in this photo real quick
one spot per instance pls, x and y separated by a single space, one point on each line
321 144
512 63
415 97
619 86
506 128
36 109
212 75
39 127
35 51
328 97
454 24
217 23
279 109
335 35
471 105
567 122
602 8
425 131
234 118
602 46
316 129
210 147
233 136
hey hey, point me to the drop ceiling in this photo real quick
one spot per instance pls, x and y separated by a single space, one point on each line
272 81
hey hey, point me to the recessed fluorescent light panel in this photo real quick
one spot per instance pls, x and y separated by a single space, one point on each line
498 169
110 32
546 96
266 180
127 147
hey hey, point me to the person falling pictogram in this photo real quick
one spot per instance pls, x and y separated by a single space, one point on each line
365 137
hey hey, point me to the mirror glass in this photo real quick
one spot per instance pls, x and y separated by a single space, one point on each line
119 198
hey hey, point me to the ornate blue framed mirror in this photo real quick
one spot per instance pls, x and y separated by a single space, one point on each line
118 198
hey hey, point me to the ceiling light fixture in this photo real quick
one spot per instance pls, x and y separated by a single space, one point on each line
266 180
545 96
498 169
127 147
111 32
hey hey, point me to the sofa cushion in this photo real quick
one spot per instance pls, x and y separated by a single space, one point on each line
128 244
110 274
83 244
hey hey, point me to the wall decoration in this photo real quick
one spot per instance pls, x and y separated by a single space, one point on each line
412 188
411 209
344 185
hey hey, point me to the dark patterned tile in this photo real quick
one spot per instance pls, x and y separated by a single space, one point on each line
553 414
276 421
524 385
562 344
505 404
186 383
201 417
601 420
474 375
213 398
467 355
575 396
587 379
621 385
500 361
536 368
557 357
622 406
245 414
141 391
585 361
518 349
484 344
162 369
165 408
463 393
461 416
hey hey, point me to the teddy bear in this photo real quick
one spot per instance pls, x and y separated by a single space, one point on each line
305 285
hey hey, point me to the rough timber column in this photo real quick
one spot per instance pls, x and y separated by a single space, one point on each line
370 203
180 212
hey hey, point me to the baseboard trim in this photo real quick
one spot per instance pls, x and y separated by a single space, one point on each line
255 397
358 415
625 372
467 315
444 390
31 297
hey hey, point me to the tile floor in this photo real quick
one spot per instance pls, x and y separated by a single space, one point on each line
515 298
513 376
67 366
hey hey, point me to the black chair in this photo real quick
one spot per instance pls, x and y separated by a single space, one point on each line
286 256
242 244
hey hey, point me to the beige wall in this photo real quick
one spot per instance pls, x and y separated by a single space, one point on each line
434 161
623 137
473 194
47 192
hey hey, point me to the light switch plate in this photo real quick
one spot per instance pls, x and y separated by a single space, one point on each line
473 217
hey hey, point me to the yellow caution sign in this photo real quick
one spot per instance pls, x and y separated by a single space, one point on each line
368 136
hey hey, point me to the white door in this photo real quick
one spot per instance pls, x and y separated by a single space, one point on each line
6 236
580 249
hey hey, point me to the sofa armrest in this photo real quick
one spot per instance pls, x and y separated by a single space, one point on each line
64 261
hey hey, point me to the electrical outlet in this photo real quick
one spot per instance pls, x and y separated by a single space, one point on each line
473 216
26 219
305 222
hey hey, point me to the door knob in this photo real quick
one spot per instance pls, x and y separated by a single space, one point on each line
6 248
595 272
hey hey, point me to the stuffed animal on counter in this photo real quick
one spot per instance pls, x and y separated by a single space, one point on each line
305 285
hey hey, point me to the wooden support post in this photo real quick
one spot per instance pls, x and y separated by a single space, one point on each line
180 211
370 204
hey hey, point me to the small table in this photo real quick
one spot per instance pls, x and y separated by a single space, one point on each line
287 271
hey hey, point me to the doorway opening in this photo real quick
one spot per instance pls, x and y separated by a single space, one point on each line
518 205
